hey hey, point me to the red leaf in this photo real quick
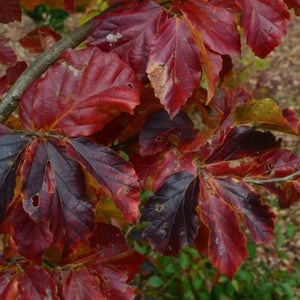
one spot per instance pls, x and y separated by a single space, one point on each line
113 247
154 170
160 132
8 285
113 282
38 40
80 94
228 4
11 149
295 4
171 211
54 194
218 113
31 238
32 283
129 33
81 284
100 273
278 171
215 24
257 216
174 67
242 142
112 172
264 23
12 74
36 283
7 54
10 11
226 246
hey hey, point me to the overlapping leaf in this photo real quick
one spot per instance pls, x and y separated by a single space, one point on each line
264 23
216 25
100 270
174 67
33 282
50 207
80 94
112 172
38 40
160 131
267 113
54 205
129 33
223 196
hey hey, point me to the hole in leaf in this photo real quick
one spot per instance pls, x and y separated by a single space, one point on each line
130 85
35 200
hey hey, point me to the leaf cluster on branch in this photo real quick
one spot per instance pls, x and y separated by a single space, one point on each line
128 113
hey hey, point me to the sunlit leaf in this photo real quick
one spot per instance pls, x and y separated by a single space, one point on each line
129 33
215 24
80 94
264 23
174 67
268 114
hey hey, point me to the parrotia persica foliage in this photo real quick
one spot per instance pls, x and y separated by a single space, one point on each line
66 189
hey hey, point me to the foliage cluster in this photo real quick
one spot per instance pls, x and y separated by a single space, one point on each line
146 107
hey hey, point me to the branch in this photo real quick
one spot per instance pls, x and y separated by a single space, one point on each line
271 180
39 66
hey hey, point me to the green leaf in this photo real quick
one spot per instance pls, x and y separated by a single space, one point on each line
184 260
155 281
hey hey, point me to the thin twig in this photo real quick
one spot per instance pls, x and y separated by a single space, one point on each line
271 180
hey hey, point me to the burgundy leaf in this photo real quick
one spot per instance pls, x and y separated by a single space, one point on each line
113 172
215 24
226 246
257 216
174 66
171 211
81 284
12 74
264 23
154 170
54 200
129 33
112 282
160 132
32 238
243 141
38 40
36 283
11 149
80 94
